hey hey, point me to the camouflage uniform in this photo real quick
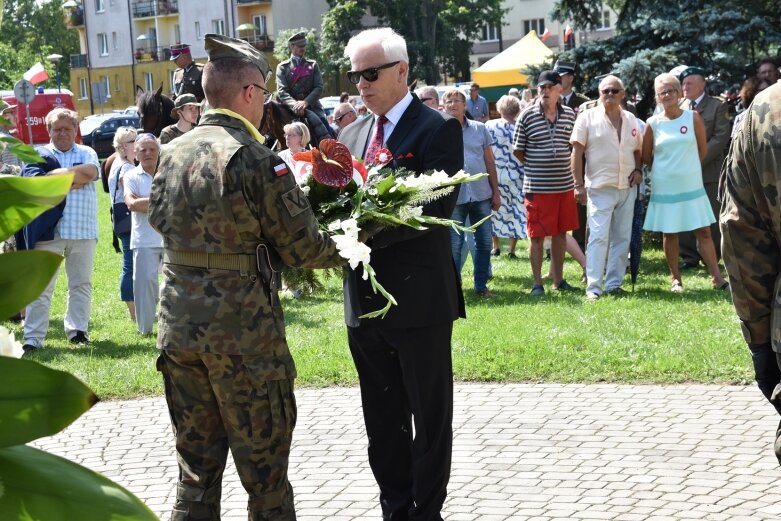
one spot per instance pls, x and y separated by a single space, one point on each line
226 365
188 80
750 224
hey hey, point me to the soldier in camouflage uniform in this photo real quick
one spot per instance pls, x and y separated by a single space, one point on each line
187 76
230 213
750 224
300 85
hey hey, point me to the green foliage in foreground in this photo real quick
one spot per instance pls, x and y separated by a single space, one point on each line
650 336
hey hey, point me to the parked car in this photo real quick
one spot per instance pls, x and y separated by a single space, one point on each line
98 131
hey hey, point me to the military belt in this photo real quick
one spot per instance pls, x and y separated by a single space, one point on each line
217 261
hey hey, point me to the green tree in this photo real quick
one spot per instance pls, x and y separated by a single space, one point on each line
726 38
339 23
32 31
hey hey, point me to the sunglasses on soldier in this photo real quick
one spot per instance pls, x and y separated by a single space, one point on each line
371 74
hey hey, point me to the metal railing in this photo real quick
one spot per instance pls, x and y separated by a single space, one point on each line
261 42
147 9
152 54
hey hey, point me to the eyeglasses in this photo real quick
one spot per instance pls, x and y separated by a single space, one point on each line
666 92
266 92
452 101
370 74
426 99
339 118
610 91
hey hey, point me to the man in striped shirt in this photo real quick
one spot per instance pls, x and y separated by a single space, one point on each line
541 143
75 237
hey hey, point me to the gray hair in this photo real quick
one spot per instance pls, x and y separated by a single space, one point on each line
146 137
427 92
508 106
392 43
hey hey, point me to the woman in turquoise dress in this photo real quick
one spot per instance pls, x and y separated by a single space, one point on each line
510 220
673 145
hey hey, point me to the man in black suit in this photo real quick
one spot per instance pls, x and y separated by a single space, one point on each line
404 360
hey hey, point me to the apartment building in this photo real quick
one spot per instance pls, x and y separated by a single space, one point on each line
534 15
124 43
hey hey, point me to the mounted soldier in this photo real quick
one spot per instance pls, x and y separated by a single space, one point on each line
187 76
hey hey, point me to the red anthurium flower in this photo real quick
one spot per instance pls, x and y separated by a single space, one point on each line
332 164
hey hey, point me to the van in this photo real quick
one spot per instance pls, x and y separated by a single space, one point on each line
43 103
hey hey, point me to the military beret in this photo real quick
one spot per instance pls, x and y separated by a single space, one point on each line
689 71
5 106
564 68
178 49
297 39
218 46
181 101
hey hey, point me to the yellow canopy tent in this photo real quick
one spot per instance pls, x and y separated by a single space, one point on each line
503 71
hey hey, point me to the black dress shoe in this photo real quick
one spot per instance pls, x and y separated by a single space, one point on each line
29 348
80 338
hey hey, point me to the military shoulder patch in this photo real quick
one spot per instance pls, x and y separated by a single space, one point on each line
295 201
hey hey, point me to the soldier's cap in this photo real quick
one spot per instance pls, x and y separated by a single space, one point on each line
179 49
298 39
5 106
689 71
564 68
181 101
549 78
219 46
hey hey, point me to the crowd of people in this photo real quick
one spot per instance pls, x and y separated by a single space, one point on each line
218 214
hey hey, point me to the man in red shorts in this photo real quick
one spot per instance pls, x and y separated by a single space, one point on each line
541 143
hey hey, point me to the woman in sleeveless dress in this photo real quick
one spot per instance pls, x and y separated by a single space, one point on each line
673 144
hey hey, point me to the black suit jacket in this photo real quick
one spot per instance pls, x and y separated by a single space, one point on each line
416 267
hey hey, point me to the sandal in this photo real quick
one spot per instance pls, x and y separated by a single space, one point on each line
677 287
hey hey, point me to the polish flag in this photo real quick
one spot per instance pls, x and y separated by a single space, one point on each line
36 74
545 35
568 32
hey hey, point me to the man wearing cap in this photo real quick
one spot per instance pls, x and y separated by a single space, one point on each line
715 115
9 163
476 105
187 77
231 215
569 97
186 110
541 143
300 85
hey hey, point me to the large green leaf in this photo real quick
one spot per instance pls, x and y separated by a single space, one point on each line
26 153
23 276
35 485
22 199
37 401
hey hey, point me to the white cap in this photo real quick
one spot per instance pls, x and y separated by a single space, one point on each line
676 71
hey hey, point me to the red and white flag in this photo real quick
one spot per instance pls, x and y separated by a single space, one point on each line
568 31
545 35
36 74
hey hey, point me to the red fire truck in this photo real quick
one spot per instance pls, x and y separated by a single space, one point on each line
41 105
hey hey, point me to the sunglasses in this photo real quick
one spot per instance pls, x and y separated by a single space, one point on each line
610 91
371 74
266 92
426 99
666 92
339 118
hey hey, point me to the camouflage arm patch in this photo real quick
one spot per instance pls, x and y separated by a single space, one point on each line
295 201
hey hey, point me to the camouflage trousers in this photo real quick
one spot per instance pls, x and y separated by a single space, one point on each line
220 402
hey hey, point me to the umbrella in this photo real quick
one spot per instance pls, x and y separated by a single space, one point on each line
636 242
246 27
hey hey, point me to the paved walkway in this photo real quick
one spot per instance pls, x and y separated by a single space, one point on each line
521 452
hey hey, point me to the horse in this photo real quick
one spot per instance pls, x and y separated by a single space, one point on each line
154 109
276 115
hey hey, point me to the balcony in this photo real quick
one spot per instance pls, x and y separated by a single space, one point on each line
244 2
76 17
261 42
152 54
159 7
79 61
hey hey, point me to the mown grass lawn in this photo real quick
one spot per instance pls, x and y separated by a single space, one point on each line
649 336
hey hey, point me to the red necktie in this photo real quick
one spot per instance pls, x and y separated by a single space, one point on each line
375 145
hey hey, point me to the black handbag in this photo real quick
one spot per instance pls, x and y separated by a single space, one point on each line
120 214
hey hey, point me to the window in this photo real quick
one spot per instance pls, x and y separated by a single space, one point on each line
149 81
100 6
490 33
218 26
260 25
197 30
103 44
114 42
537 25
82 88
604 21
105 81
